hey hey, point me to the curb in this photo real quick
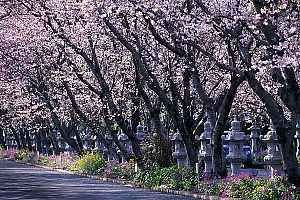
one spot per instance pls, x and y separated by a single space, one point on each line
130 183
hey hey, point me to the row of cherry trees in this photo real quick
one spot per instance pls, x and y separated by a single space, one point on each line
111 64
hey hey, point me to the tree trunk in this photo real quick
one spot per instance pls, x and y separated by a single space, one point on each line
2 141
79 142
28 140
54 143
219 164
38 141
163 145
21 131
284 131
288 150
17 137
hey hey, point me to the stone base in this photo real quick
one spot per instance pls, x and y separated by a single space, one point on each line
276 170
207 166
181 162
236 168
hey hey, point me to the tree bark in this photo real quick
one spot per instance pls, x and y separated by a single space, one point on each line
17 137
38 136
2 141
28 140
285 131
219 165
21 131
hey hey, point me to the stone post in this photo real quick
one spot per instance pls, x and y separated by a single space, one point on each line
125 142
273 158
110 156
254 136
297 136
69 148
33 141
180 152
61 143
105 152
13 142
140 133
235 139
205 152
8 141
99 147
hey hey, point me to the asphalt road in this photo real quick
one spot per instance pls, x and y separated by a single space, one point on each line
20 181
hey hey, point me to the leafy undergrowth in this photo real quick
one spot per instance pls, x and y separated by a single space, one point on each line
245 186
259 156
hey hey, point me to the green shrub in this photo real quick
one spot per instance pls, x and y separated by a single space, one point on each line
113 169
174 177
90 163
259 156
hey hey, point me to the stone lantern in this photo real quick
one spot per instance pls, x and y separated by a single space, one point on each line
61 143
123 138
297 136
111 145
98 146
205 153
32 141
235 138
68 148
8 141
254 136
273 158
140 133
14 142
180 152
105 152
87 142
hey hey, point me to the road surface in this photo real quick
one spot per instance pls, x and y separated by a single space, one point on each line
20 181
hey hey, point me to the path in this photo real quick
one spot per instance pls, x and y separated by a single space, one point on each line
20 181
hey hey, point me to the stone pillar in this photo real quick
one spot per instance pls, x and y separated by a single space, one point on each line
297 136
33 141
125 142
273 158
13 142
205 152
140 133
254 136
180 152
69 148
98 147
140 136
105 152
61 143
8 141
235 139
111 145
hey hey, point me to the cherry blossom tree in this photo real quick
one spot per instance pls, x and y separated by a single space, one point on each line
169 62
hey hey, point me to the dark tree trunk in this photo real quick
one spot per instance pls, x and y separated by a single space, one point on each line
219 164
17 137
43 142
54 142
135 118
38 137
288 150
28 140
79 141
2 141
164 147
46 142
284 129
21 131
